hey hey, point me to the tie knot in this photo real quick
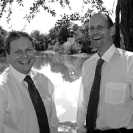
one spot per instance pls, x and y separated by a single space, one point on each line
28 79
100 62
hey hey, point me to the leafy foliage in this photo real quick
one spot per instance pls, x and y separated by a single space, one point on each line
66 36
68 18
34 8
71 47
40 40
3 34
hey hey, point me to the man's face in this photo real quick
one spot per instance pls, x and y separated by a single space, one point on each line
21 55
100 34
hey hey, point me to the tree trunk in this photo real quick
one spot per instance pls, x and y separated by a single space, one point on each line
126 22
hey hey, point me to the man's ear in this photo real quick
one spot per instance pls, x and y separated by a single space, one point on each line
112 30
7 57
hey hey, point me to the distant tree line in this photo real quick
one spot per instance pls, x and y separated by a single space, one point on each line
65 37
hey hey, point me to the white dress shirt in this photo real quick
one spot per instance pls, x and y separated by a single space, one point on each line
115 107
17 114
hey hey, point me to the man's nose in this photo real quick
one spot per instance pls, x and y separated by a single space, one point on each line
24 54
96 31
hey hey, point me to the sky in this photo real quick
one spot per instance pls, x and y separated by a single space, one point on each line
43 20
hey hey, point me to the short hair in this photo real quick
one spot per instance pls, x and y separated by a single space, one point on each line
14 35
108 19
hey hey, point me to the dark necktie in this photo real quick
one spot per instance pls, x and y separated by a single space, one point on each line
38 106
94 98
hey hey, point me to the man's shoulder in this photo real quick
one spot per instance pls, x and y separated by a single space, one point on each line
125 53
91 59
41 80
39 76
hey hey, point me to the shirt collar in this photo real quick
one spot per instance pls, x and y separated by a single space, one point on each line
17 74
109 53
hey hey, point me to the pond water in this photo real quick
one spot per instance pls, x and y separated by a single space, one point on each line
65 74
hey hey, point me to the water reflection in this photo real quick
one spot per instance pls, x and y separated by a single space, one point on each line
68 66
64 72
